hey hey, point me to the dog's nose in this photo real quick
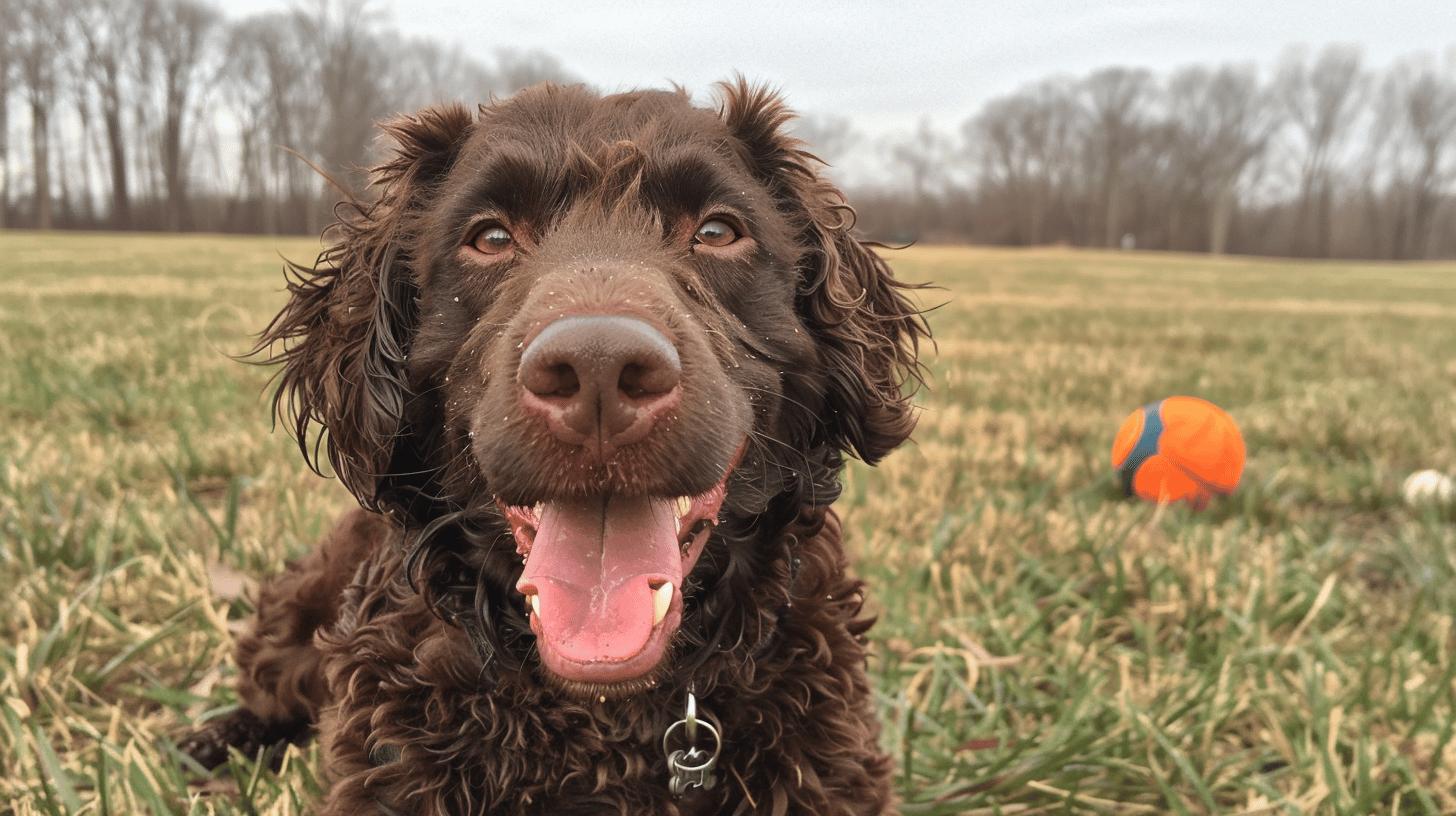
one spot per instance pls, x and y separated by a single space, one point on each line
600 380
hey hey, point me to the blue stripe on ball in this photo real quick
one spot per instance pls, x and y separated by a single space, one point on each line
1146 446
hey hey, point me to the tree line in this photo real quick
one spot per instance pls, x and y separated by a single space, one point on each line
167 115
1320 157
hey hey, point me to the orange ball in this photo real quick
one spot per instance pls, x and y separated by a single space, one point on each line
1179 449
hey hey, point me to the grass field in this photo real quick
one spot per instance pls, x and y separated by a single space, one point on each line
1044 646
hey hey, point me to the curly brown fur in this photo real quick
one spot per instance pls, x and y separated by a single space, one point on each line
404 638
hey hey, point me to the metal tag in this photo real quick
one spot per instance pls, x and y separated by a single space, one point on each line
691 767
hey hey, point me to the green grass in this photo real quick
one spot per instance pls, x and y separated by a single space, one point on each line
1044 646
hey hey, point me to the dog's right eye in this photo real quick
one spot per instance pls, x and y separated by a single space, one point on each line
715 232
492 240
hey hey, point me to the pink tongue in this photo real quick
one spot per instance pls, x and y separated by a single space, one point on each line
594 563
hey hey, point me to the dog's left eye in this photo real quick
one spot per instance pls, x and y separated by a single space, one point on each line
715 232
492 240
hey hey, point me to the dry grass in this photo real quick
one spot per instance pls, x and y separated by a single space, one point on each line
1044 646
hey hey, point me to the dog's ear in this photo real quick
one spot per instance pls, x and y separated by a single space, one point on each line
344 335
868 331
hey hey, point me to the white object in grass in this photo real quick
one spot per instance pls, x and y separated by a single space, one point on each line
1428 487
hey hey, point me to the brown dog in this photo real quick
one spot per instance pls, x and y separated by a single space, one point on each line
591 365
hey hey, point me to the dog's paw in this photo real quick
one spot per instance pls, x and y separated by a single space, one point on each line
242 730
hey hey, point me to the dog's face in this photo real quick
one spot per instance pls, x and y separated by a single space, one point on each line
614 321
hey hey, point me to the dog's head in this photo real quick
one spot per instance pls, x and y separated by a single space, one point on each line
615 322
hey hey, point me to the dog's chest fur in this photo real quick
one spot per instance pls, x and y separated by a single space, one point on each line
423 726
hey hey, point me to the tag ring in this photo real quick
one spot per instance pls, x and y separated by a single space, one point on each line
691 718
712 755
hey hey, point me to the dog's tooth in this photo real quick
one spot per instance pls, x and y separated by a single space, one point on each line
684 504
536 604
661 600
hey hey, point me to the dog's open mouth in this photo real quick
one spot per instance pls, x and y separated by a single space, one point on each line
604 575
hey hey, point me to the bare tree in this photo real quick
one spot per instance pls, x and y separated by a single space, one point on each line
8 23
287 67
1422 99
246 85
110 33
426 73
85 199
1026 145
516 69
920 154
1117 100
74 74
38 41
828 136
1170 189
181 34
1226 120
143 176
347 76
1004 139
1322 102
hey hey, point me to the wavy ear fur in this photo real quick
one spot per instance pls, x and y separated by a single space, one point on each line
869 332
345 332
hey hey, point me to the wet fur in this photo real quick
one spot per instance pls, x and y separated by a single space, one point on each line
401 640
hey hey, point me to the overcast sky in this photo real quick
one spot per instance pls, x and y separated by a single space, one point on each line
887 64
